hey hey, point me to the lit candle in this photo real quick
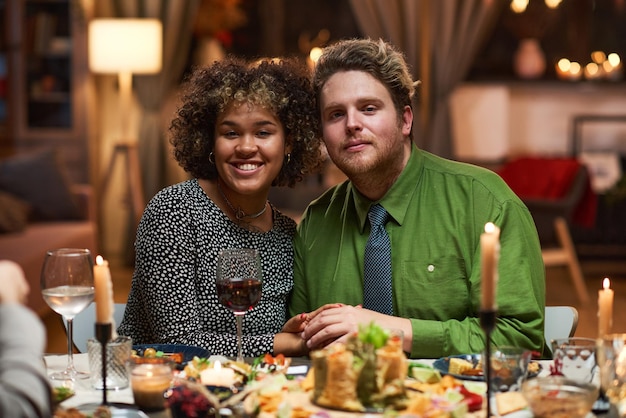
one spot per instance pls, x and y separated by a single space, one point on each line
605 308
593 71
103 291
149 382
612 67
489 254
218 376
575 71
562 68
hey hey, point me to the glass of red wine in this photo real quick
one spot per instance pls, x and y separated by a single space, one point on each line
238 281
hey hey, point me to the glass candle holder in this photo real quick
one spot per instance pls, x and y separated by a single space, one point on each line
118 352
149 379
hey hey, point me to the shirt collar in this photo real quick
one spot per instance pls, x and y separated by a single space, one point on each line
397 199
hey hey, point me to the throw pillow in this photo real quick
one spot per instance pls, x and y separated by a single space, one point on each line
39 179
13 213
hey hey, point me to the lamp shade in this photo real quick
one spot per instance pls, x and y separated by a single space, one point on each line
125 45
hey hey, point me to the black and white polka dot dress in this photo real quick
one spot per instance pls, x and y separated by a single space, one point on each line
173 297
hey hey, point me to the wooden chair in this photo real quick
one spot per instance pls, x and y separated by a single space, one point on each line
560 322
565 255
551 218
552 215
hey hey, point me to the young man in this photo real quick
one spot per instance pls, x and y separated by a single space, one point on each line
437 210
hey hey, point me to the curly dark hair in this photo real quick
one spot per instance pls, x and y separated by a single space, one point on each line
282 86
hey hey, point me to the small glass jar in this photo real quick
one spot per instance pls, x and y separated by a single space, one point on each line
149 379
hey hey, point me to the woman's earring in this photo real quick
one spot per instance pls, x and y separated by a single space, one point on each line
212 158
288 158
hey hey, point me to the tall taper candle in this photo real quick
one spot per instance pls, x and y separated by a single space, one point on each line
104 291
605 308
489 255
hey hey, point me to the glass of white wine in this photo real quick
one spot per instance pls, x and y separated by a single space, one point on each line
67 287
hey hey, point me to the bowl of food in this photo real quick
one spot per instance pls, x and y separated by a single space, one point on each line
559 397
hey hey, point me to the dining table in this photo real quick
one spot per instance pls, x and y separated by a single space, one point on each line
85 394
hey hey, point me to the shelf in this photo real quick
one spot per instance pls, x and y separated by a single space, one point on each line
48 98
52 97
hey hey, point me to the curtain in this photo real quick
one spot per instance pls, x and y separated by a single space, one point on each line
153 90
440 39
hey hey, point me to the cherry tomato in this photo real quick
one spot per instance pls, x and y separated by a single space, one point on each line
473 400
149 352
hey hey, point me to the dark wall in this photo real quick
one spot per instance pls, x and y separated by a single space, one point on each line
297 19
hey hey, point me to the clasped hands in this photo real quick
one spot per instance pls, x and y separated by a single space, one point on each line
335 322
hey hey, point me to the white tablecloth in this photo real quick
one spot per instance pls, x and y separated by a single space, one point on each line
85 393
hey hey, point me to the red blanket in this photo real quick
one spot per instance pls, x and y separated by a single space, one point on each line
551 179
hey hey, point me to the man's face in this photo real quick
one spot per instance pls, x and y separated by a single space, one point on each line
360 125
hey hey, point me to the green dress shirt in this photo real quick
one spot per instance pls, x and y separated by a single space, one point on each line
439 209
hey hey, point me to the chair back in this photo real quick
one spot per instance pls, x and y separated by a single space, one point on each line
552 188
84 324
557 192
560 322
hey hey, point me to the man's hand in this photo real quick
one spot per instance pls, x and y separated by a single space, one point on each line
332 323
336 322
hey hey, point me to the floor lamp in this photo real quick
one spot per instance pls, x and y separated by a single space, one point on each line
126 47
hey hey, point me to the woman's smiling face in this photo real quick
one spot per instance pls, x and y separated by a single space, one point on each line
249 148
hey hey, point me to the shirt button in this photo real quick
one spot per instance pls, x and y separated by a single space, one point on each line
431 268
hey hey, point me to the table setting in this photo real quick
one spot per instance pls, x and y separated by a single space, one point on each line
586 378
86 394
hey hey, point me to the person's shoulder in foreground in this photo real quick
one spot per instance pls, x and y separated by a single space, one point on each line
24 389
438 209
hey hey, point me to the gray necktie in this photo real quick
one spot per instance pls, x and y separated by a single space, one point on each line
377 288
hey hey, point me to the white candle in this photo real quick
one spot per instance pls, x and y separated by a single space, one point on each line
103 291
605 308
218 376
489 254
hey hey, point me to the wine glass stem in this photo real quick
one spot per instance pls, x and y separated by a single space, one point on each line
70 343
239 318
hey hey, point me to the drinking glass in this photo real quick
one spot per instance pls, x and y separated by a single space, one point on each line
67 287
509 368
238 281
575 358
612 362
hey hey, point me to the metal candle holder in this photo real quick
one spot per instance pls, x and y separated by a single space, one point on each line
488 323
103 335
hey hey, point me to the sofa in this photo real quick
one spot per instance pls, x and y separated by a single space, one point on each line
40 209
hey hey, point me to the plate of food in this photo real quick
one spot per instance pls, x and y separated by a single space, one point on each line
220 378
179 353
469 367
377 385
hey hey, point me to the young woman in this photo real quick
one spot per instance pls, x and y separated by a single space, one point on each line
242 128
